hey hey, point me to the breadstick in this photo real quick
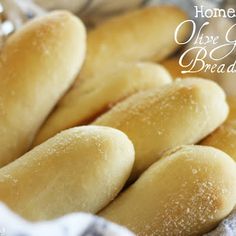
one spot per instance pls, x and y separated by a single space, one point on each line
142 35
95 96
80 169
224 137
188 192
159 119
37 65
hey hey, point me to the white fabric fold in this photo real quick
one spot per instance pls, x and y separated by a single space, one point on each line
76 224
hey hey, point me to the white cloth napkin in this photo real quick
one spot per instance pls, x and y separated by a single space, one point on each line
227 227
83 224
77 224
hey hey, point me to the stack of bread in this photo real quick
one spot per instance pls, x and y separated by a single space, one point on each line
90 122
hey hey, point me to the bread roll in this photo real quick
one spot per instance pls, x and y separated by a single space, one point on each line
93 97
37 65
224 137
187 192
142 35
80 169
155 120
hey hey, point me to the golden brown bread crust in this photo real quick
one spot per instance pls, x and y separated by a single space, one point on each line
37 65
188 192
90 98
142 35
183 112
224 137
80 169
